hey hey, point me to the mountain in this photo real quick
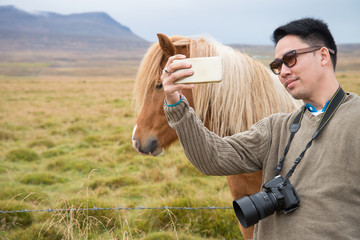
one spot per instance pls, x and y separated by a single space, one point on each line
20 30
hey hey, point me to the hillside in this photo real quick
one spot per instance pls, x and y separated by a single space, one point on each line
93 31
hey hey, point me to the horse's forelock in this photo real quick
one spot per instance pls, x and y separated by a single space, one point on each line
148 72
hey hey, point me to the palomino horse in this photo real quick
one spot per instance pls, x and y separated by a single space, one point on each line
248 93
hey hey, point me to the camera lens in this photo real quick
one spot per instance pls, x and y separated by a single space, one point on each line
249 210
246 212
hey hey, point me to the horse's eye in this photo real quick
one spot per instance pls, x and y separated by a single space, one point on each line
158 86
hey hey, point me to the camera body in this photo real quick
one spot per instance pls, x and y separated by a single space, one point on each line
277 195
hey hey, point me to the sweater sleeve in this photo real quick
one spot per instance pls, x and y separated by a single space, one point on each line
213 155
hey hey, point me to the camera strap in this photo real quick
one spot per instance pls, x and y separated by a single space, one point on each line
334 104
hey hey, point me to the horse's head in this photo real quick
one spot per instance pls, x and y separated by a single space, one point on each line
152 133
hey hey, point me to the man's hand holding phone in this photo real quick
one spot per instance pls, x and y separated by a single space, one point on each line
170 75
182 73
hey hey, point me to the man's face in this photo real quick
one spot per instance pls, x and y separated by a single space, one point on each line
301 80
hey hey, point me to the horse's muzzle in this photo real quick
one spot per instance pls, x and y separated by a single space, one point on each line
149 147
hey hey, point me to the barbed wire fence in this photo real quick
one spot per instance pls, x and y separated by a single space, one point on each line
113 209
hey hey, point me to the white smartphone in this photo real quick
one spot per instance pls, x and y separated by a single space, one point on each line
206 70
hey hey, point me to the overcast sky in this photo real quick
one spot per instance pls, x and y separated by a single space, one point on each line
228 21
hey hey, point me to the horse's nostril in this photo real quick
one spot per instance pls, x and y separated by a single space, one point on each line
153 146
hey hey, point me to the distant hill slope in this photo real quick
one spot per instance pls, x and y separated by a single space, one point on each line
51 31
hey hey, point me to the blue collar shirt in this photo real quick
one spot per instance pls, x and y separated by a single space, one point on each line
314 111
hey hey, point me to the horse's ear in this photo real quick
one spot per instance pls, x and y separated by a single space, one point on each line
166 45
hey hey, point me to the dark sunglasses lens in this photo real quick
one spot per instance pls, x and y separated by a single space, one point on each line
289 59
276 67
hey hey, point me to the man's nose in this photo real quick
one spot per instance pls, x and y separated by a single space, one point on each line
285 70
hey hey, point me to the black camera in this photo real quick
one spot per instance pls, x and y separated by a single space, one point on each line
278 194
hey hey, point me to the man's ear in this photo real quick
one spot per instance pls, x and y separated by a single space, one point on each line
325 56
166 45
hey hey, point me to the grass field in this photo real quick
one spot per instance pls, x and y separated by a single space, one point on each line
65 142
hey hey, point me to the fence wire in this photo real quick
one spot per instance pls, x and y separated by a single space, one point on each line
115 208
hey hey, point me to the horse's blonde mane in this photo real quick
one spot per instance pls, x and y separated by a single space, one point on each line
248 93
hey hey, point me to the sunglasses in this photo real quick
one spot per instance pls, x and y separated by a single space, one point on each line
289 59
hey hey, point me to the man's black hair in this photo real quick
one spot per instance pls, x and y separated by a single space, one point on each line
314 32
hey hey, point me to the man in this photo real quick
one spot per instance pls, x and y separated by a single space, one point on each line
327 180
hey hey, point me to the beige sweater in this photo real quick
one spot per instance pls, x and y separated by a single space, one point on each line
327 179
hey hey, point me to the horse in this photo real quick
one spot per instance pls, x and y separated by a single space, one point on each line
248 93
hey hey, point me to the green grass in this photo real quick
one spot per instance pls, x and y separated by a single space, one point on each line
11 221
22 154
